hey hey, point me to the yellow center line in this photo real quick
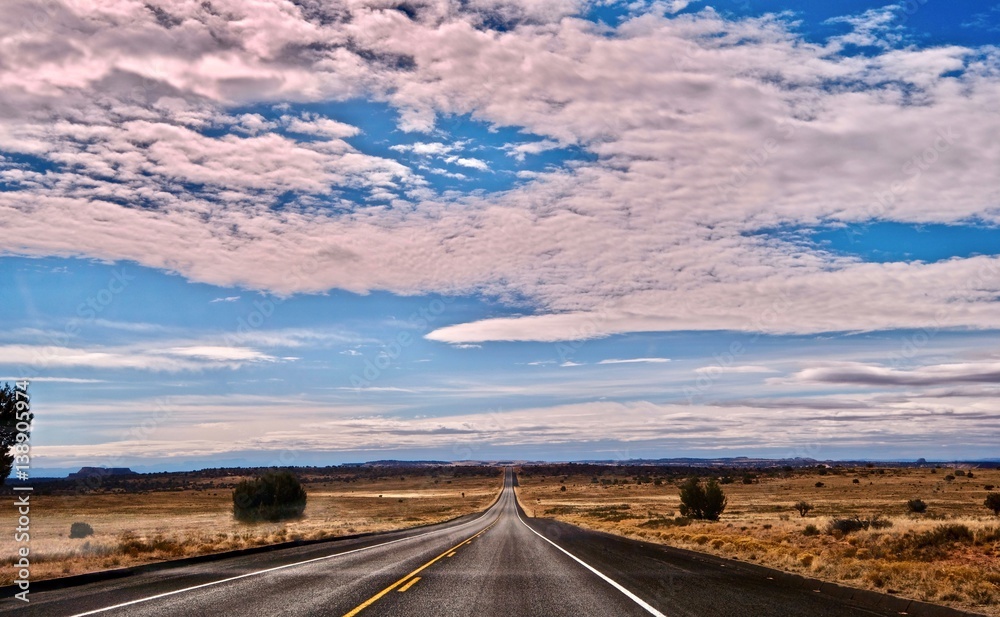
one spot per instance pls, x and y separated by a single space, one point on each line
411 583
451 554
375 598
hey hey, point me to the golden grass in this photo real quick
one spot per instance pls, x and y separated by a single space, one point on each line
760 526
131 529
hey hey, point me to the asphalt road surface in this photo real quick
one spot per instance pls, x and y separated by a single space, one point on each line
496 563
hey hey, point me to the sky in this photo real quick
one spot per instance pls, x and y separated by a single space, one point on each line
307 233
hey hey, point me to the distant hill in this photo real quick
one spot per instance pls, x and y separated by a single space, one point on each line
87 472
395 463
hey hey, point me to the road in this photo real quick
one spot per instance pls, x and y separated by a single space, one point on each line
498 563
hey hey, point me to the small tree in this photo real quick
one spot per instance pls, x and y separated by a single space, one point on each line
803 508
692 498
13 409
916 506
993 503
702 502
80 530
272 497
715 500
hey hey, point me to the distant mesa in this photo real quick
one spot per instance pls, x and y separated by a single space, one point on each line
88 472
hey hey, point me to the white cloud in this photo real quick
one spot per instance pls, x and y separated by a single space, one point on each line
425 149
674 6
75 380
220 353
467 162
856 373
324 127
748 369
226 299
634 360
521 150
146 357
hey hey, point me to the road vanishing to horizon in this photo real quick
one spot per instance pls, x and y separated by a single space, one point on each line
496 563
269 260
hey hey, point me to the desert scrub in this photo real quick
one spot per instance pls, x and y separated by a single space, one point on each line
855 523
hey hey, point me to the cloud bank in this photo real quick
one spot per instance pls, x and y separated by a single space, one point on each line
127 133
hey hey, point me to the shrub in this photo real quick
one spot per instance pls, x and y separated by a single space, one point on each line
993 502
80 530
810 530
856 481
700 502
933 543
856 523
989 487
273 496
803 508
949 478
132 545
820 485
846 525
942 535
916 506
562 489
960 473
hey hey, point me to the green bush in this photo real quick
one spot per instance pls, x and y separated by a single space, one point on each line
810 530
272 497
702 502
80 530
993 502
916 506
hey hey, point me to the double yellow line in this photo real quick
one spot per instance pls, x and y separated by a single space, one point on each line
412 578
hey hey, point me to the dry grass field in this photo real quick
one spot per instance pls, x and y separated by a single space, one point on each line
948 555
133 528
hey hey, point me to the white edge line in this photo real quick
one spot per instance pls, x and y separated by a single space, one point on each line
287 565
629 594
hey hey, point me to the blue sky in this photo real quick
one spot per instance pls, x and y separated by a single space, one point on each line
562 231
